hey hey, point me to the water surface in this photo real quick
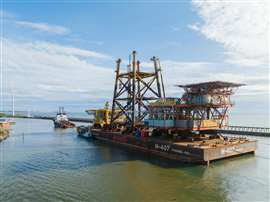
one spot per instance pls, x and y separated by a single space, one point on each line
38 163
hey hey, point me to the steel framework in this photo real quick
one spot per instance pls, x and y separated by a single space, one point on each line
205 104
134 90
216 95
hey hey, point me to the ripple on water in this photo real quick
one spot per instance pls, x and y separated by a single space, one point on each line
52 166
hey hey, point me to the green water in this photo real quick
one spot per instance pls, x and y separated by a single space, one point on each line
41 164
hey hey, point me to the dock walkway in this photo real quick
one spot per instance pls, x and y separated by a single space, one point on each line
246 130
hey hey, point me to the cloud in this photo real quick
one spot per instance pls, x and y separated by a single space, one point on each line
179 72
57 49
194 27
242 28
44 27
5 14
42 71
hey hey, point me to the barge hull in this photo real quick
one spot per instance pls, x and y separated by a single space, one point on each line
175 150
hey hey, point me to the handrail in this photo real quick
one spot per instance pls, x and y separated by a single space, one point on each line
247 128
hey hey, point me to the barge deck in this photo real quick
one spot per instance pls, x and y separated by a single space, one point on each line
199 152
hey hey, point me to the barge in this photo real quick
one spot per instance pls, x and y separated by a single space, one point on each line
198 152
179 128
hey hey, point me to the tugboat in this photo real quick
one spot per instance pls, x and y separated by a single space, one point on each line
61 120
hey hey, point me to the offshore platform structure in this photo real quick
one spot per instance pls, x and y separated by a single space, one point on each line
207 103
134 89
144 119
203 107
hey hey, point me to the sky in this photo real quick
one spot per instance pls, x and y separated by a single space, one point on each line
63 53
